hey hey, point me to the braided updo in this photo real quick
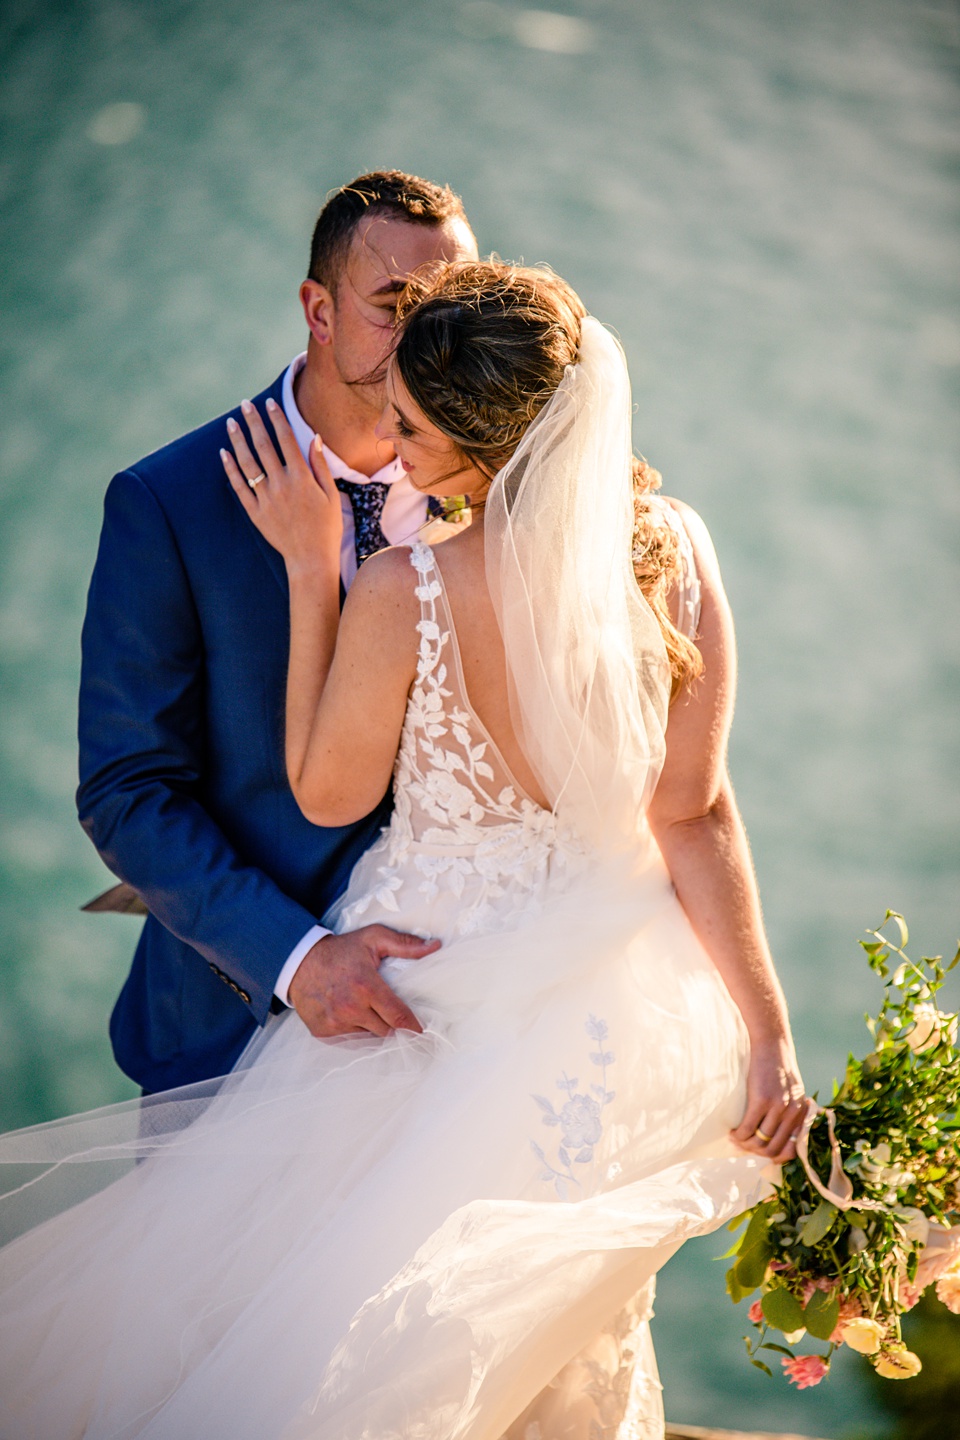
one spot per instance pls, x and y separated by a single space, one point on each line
482 347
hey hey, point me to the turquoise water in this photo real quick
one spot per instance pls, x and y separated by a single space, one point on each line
760 194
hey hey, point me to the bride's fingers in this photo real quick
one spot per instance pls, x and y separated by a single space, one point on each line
286 439
249 465
321 470
747 1128
790 1122
759 1135
264 446
241 486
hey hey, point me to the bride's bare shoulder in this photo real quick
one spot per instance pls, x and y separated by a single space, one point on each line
389 572
383 595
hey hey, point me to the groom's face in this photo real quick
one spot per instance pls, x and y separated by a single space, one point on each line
384 253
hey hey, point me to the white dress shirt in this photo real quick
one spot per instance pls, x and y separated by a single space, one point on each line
404 513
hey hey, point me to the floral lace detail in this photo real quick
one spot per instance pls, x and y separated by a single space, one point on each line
442 765
615 1373
580 1118
461 827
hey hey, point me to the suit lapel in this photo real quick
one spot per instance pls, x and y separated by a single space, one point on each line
273 557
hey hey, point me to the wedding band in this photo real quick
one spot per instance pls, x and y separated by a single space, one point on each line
256 480
761 1136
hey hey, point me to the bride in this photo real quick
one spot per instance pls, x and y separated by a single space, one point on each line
451 1231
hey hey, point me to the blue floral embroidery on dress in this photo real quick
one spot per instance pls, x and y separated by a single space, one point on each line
580 1117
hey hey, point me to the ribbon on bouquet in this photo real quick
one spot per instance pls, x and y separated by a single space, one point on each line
941 1247
839 1188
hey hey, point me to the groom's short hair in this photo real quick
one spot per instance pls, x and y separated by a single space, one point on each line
381 192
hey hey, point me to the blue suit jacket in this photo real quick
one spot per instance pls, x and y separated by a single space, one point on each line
182 782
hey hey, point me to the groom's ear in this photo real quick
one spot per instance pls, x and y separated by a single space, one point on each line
318 310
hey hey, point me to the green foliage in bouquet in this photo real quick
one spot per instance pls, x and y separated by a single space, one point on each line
867 1216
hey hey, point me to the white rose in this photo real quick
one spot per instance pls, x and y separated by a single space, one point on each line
916 1226
930 1027
875 1162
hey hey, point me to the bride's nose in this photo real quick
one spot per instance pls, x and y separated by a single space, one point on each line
382 427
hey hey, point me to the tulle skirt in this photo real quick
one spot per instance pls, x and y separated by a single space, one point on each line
433 1236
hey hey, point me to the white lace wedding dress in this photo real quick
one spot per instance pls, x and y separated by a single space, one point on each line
446 1236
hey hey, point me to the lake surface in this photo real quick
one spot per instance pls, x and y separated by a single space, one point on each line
761 195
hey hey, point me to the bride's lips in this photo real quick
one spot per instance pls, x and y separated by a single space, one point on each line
407 466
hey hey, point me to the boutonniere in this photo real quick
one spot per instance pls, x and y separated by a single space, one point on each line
447 515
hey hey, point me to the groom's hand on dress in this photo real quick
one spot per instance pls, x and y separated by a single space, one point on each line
338 990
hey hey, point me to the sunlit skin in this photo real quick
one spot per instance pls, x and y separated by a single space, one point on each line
431 460
352 330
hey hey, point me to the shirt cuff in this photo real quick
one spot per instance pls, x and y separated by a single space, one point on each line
282 988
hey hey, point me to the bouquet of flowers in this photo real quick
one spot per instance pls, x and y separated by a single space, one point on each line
868 1215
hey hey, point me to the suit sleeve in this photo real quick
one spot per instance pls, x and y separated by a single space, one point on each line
141 733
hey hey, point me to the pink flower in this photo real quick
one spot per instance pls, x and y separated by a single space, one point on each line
850 1309
810 1287
806 1371
777 1265
755 1313
909 1294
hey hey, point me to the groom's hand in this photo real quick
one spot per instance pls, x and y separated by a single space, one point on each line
337 989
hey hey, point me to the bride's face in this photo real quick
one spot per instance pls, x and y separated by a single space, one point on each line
429 457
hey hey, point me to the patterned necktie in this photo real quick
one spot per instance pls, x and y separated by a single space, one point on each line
367 503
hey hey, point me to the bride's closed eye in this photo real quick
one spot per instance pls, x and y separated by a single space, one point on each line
401 427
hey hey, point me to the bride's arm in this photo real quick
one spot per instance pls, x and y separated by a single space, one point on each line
697 825
348 676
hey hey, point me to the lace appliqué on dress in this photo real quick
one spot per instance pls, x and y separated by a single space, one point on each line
609 1392
460 822
580 1120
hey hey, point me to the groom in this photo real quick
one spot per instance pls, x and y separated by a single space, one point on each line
182 782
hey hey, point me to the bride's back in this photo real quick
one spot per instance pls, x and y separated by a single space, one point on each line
483 350
462 569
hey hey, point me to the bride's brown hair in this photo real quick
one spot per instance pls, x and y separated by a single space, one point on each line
482 347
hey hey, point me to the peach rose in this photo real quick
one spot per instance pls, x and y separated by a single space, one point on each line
948 1289
863 1335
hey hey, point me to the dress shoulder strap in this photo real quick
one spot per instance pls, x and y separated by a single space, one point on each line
434 625
688 581
428 587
